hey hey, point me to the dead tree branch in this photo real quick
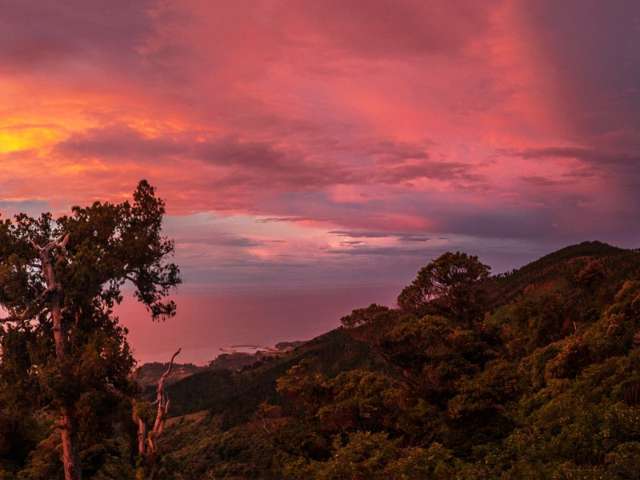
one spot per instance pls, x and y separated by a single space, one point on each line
147 439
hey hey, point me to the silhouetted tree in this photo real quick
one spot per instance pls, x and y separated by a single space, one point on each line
60 280
451 285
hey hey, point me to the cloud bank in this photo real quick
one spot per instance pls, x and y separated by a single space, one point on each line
333 141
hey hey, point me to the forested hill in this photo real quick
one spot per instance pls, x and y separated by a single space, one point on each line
534 374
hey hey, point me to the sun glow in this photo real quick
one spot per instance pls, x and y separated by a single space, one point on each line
21 138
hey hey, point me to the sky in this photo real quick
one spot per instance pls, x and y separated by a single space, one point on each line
313 155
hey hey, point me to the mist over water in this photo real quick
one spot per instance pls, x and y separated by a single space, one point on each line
210 320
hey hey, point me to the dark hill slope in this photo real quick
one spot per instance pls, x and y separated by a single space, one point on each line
561 265
147 375
336 351
546 386
236 394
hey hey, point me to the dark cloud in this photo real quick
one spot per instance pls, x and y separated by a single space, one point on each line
413 238
440 170
587 155
539 181
119 142
269 166
523 222
380 251
221 240
36 34
264 163
283 219
620 169
393 152
591 49
248 162
361 234
401 162
402 236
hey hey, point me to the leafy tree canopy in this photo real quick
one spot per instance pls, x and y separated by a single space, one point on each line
63 349
451 285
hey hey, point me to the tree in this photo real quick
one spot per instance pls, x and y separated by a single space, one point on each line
437 336
451 286
60 280
148 439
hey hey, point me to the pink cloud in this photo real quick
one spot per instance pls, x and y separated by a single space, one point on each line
468 120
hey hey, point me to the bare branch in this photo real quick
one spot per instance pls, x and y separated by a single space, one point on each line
142 431
161 398
147 447
168 371
35 245
62 243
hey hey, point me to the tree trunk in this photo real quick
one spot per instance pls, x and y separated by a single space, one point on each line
142 435
69 454
58 329
67 417
147 440
67 421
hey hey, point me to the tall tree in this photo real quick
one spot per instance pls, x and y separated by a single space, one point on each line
452 285
60 280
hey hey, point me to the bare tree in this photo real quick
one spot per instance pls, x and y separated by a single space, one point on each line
147 439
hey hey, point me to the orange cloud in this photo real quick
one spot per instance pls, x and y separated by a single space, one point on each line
468 120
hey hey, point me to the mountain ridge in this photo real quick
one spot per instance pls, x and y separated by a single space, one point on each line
525 392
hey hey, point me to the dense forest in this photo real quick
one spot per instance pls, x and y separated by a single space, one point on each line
532 374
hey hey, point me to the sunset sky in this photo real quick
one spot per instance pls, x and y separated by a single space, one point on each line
314 154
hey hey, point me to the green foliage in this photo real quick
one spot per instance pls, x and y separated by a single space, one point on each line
236 395
542 381
451 285
534 374
61 279
360 455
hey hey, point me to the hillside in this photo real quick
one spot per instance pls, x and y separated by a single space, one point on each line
236 394
544 385
533 374
148 374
